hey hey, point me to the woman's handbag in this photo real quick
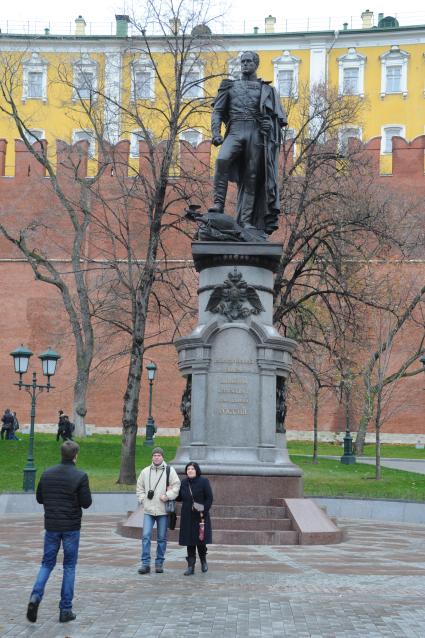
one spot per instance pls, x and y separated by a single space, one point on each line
197 507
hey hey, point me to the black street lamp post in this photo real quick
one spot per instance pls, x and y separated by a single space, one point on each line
150 423
348 458
21 357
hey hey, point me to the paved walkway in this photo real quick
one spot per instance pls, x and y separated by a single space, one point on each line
370 586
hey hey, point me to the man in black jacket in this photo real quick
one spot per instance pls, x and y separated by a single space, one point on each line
63 491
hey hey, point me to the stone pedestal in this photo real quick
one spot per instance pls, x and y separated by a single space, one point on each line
236 364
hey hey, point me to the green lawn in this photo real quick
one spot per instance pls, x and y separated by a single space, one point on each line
334 449
332 478
100 457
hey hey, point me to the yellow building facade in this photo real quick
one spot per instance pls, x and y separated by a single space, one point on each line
58 81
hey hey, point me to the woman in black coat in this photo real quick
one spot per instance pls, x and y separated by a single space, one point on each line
195 489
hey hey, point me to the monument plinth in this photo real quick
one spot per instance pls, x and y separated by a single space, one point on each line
236 365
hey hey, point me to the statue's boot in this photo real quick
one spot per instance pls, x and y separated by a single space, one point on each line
221 181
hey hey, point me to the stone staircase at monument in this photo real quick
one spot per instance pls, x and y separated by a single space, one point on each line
299 522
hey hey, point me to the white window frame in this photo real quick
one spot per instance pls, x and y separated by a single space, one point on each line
34 135
137 136
34 64
84 65
384 129
286 138
143 65
351 60
196 68
234 67
287 62
289 92
184 134
343 137
89 137
394 57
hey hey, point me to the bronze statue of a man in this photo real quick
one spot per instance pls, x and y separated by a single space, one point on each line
253 115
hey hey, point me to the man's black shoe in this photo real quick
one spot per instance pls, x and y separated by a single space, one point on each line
32 608
159 569
144 569
66 616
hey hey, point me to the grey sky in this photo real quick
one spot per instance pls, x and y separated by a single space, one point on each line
241 15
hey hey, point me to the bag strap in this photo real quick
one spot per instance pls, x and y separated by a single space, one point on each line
190 490
168 469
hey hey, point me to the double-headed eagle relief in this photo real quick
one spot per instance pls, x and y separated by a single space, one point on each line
229 298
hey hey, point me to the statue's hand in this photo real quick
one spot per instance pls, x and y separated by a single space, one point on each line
265 125
217 140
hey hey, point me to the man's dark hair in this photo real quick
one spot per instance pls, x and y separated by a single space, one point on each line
69 450
255 57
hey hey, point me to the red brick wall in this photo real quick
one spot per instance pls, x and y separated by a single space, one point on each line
32 312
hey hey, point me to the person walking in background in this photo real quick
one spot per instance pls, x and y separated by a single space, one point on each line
195 524
15 428
65 427
63 490
7 424
153 490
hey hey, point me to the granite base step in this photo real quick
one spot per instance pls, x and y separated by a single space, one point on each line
283 522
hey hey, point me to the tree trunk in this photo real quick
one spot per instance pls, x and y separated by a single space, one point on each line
315 422
79 410
127 474
364 422
378 436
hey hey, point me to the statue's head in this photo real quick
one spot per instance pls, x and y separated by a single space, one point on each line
249 61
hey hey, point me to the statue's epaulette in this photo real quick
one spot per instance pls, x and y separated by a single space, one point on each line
225 84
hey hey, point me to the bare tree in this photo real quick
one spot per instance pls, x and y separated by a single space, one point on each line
379 373
64 225
142 279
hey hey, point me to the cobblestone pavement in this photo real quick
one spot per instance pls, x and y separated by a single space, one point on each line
371 585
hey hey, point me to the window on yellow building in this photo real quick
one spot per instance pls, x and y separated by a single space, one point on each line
285 82
135 138
192 84
234 67
394 71
393 79
34 86
344 136
351 81
388 132
289 135
34 135
142 79
85 78
192 136
88 135
351 73
286 69
142 85
84 85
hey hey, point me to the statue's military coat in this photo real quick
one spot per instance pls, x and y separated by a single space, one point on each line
267 199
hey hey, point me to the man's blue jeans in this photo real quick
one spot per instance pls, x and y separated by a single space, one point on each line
161 538
52 543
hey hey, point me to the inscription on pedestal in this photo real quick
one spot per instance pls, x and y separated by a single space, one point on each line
233 393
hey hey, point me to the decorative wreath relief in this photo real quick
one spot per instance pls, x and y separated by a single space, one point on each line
229 298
